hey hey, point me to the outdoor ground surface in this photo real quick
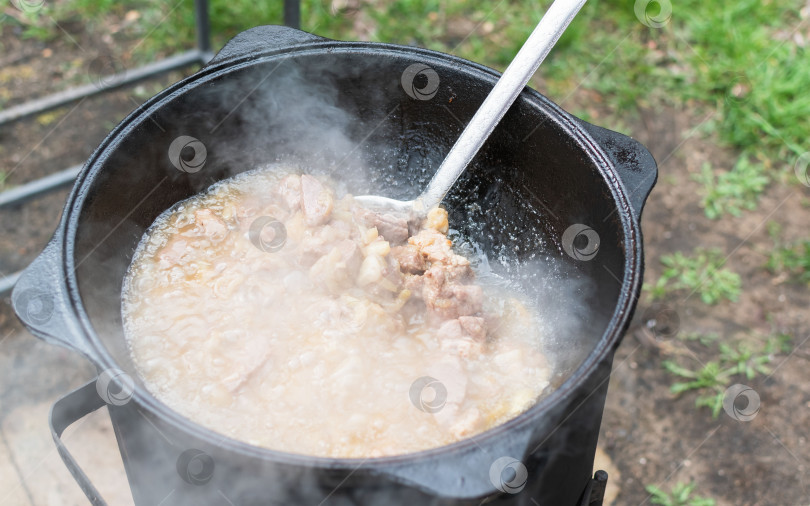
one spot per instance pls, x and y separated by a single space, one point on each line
717 93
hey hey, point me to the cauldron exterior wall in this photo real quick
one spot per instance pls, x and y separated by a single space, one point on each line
541 171
559 465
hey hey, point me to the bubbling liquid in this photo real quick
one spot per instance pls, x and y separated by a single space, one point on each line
271 311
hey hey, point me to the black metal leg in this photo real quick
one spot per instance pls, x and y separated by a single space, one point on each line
594 493
203 26
292 13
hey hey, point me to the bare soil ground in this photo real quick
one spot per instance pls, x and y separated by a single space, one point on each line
650 436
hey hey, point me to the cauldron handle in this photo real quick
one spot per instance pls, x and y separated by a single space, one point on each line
64 412
263 39
40 300
635 165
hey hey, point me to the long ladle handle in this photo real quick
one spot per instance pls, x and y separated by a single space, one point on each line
506 90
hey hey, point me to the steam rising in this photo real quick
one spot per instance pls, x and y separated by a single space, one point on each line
289 117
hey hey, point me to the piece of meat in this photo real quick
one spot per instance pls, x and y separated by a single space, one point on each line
474 326
455 340
435 247
172 252
210 225
415 284
467 300
393 228
409 258
446 298
350 255
317 201
289 189
317 242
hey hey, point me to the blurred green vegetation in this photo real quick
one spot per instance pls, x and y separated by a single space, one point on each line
679 495
741 60
701 273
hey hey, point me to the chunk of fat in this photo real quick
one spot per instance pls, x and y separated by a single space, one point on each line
509 359
317 201
379 247
371 270
437 220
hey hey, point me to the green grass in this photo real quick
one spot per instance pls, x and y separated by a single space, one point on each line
740 361
734 190
734 59
701 273
679 495
792 259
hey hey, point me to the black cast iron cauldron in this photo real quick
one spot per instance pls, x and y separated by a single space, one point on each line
547 187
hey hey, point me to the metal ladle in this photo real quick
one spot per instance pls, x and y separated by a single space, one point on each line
506 90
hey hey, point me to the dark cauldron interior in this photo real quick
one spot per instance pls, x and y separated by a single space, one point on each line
529 183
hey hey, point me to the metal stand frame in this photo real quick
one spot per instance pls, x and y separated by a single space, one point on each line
201 55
